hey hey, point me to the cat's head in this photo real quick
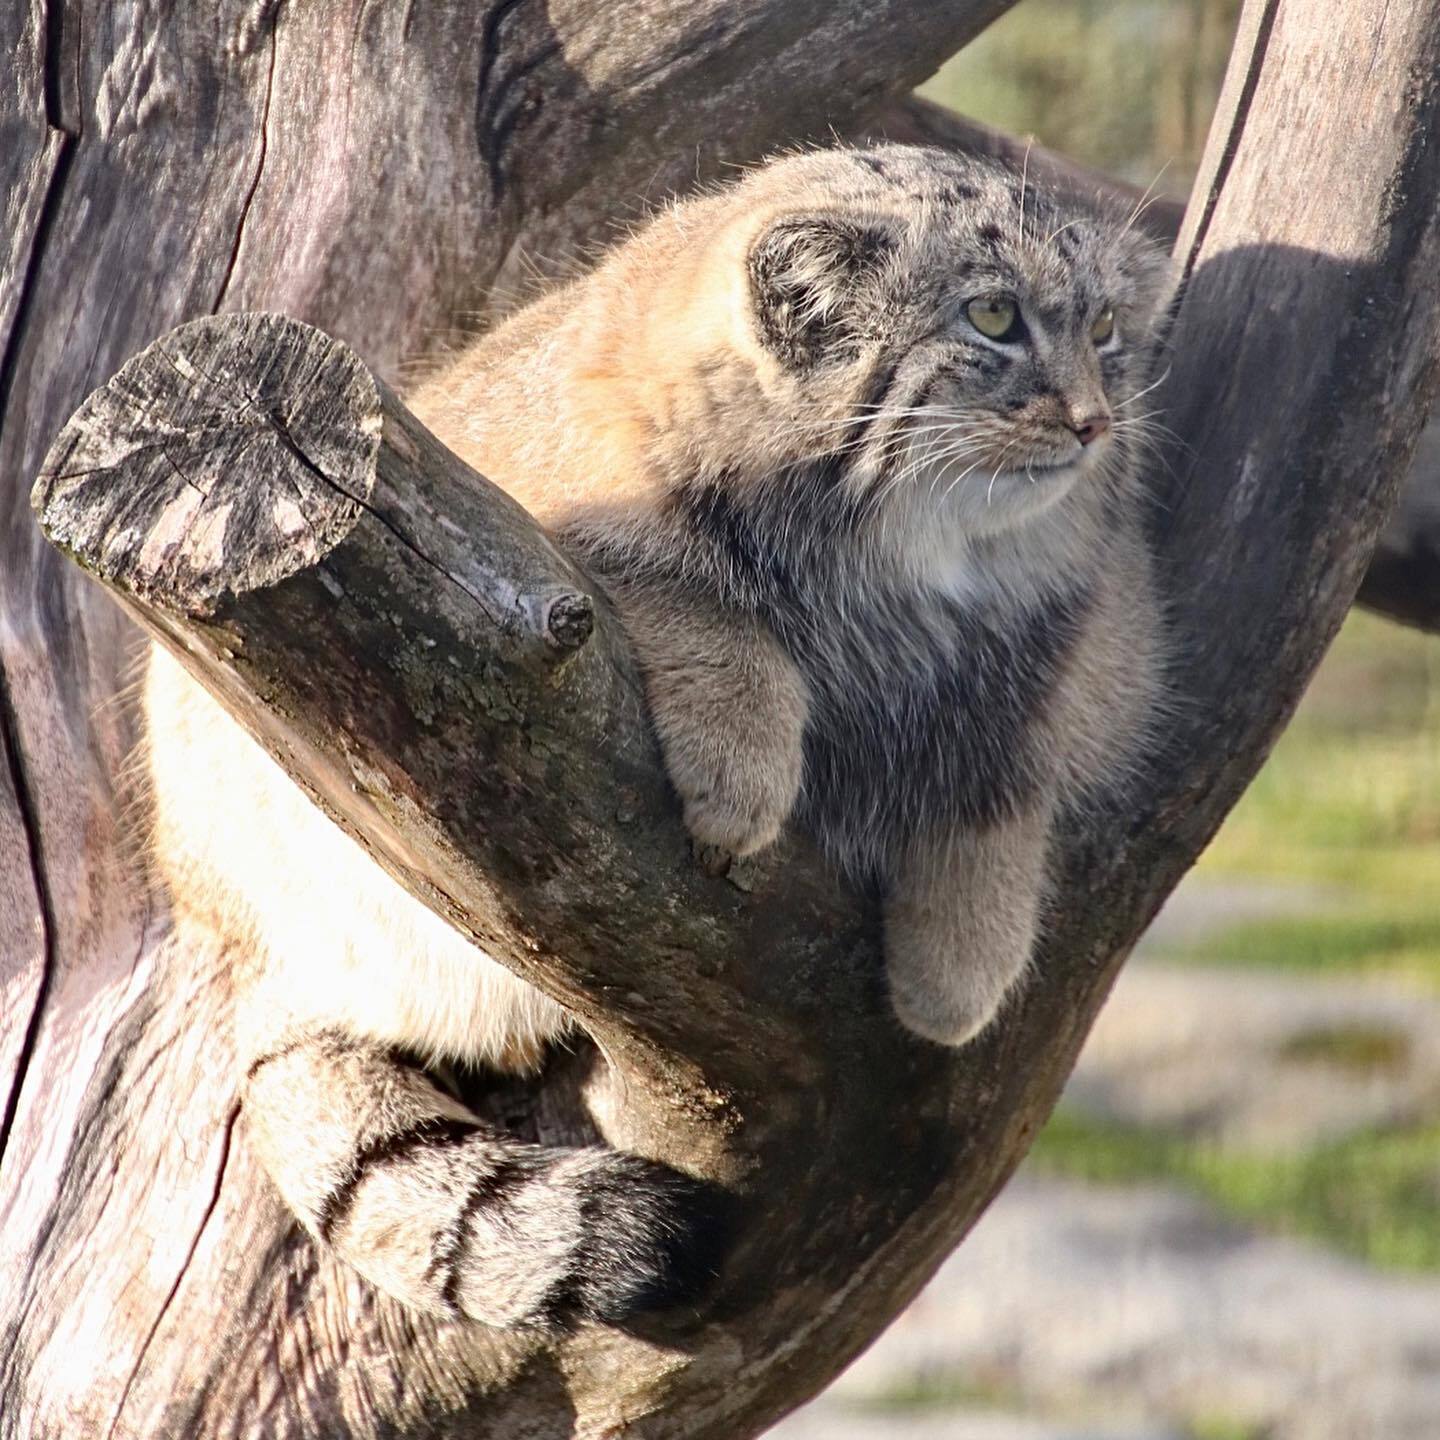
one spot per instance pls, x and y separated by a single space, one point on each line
947 330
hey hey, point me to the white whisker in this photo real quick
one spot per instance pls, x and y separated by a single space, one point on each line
1164 376
1059 230
1024 176
1145 201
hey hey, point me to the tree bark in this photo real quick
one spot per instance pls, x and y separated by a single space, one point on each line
743 1027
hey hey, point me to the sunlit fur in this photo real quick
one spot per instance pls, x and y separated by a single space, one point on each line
876 586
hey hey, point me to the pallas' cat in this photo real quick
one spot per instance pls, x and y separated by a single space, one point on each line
852 444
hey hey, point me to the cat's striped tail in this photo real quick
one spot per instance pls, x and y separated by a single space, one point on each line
450 1214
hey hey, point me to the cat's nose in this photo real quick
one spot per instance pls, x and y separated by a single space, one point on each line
1091 427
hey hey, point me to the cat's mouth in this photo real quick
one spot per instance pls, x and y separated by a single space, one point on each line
1006 484
1047 465
1043 469
1050 467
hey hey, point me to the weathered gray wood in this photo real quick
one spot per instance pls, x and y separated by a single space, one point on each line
23 965
138 1222
22 939
768 1039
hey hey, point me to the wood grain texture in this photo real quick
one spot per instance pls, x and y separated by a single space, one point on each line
36 150
746 1027
22 941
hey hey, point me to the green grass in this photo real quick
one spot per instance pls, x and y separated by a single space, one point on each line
1350 797
1225 1427
1348 801
1125 85
1362 1049
945 1390
1375 1196
1362 940
936 1388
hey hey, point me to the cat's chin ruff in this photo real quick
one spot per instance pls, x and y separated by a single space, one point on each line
1014 546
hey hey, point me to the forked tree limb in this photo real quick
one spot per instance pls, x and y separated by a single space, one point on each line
1305 360
776 1039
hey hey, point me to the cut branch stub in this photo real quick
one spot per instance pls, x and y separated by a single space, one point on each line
244 487
231 455
569 620
234 477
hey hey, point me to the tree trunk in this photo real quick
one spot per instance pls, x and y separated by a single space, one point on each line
323 160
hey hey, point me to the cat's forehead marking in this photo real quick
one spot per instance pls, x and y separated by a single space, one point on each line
988 221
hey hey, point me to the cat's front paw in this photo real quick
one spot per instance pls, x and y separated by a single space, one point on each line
729 709
952 1013
739 805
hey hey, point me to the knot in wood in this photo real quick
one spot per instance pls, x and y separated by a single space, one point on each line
569 620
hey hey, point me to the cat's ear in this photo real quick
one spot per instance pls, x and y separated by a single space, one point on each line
809 285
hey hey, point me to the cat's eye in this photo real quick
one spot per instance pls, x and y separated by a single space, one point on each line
994 316
1104 326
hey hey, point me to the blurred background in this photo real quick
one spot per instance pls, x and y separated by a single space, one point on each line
1231 1228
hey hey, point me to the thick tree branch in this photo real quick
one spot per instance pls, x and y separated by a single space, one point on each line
1261 574
450 688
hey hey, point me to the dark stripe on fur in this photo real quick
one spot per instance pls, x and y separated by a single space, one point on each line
757 572
485 1190
652 1238
316 1039
434 1132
